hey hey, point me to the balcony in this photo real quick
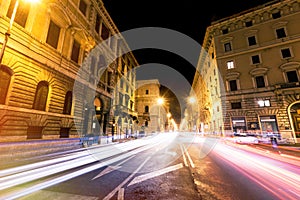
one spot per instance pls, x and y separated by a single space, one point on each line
288 85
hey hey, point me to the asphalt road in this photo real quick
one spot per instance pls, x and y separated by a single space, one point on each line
164 166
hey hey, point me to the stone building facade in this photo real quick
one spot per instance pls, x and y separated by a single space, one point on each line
257 56
54 83
125 116
151 115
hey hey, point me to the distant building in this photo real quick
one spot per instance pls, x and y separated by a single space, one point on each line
49 53
151 113
251 70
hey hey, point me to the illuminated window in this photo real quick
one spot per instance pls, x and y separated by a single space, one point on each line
53 34
41 96
5 77
264 103
230 65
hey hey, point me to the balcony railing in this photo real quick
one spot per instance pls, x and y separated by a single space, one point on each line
288 85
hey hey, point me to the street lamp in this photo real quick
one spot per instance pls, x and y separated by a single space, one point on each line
7 34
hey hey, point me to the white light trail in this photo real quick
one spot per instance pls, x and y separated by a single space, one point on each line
16 179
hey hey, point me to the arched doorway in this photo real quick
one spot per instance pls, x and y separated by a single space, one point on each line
294 115
97 122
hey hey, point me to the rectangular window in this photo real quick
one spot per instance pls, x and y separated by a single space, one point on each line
4 84
131 105
255 59
286 53
227 47
64 133
264 103
104 32
248 23
280 33
292 76
83 7
75 51
233 85
225 31
53 34
97 24
230 65
236 105
120 98
276 15
34 132
21 14
260 81
251 40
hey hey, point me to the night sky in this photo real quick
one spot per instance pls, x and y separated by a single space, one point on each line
187 17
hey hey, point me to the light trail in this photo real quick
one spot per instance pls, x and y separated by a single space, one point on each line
273 176
27 176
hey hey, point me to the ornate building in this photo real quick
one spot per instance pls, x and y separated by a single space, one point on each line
51 64
257 56
125 116
152 109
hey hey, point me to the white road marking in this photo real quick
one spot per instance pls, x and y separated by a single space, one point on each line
184 158
189 157
112 193
106 171
112 168
121 194
150 175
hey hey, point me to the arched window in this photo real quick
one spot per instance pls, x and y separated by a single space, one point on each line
68 103
146 109
5 77
41 96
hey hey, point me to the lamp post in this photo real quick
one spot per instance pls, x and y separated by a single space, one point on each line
7 34
191 101
168 120
160 101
